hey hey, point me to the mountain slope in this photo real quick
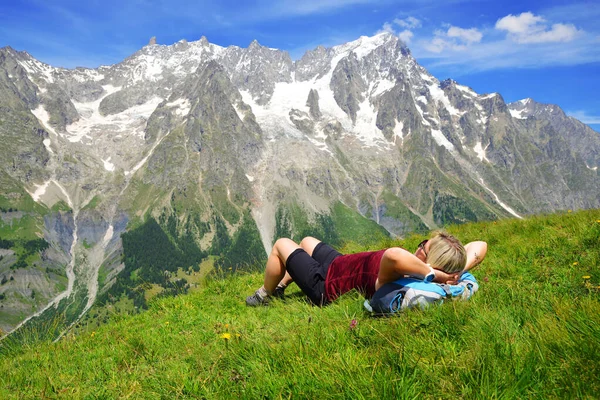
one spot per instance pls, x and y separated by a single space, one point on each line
529 331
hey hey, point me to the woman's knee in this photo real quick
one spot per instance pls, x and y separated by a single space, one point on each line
284 246
309 243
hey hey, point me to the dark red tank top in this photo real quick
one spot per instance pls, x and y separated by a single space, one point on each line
353 271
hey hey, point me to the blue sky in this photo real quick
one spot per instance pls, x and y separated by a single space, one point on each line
547 50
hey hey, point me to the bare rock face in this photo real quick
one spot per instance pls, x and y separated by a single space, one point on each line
348 86
314 64
313 104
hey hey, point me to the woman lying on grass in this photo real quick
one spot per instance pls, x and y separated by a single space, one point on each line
324 274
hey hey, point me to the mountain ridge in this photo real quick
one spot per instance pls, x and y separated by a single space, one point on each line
198 137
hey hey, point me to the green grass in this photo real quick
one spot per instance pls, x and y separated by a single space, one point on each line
532 331
353 227
93 203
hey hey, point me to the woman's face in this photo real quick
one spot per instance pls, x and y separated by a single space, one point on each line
422 250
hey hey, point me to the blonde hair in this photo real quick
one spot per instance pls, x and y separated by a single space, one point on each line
446 253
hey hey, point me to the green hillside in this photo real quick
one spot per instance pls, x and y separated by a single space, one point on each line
532 331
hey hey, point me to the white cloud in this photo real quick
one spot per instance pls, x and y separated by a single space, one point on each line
584 117
408 22
387 27
524 23
405 36
530 28
467 35
455 38
436 45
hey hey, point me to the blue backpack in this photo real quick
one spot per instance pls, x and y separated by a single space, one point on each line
408 292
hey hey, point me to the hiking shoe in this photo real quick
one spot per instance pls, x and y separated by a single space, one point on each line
256 300
279 292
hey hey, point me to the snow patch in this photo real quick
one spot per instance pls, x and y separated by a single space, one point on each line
489 96
84 75
365 127
107 236
398 132
42 115
440 139
47 145
40 190
274 116
382 87
250 178
36 67
363 46
148 68
465 89
480 151
64 192
108 165
426 78
425 122
518 114
91 123
183 106
438 95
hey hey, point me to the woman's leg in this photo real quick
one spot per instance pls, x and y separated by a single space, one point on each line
308 244
275 268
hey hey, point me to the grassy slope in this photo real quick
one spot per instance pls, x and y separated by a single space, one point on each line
533 330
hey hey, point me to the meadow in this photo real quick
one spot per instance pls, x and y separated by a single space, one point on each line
532 331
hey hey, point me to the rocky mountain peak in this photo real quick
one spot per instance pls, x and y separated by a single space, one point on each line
448 83
529 107
254 45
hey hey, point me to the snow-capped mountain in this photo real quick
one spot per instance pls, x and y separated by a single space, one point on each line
231 146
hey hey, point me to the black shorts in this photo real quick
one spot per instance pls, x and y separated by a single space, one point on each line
309 273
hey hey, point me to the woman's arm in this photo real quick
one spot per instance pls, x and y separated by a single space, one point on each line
397 262
475 254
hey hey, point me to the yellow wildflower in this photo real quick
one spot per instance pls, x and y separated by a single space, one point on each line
226 336
569 211
575 263
586 277
167 323
226 325
238 335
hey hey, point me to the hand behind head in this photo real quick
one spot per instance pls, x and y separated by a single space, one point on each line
442 277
